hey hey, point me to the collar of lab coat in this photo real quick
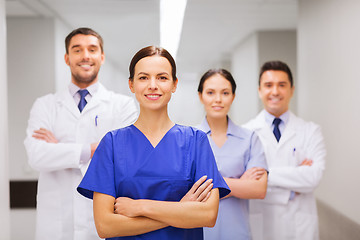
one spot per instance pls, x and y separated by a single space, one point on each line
265 130
64 98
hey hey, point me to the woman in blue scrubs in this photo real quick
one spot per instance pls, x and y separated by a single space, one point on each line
146 168
238 153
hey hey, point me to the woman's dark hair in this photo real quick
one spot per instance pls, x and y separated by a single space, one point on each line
148 52
226 74
276 66
84 31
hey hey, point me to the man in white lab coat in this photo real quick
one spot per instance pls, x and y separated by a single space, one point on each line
62 134
295 153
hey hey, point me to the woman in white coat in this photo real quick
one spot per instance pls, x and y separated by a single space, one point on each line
296 162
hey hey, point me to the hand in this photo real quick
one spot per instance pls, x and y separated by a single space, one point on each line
307 162
254 173
93 147
126 206
200 191
45 135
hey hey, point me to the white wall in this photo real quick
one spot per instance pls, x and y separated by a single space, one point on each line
62 73
31 74
22 224
328 93
244 68
185 107
113 79
4 158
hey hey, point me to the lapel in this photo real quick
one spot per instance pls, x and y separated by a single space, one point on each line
65 99
262 128
289 131
102 95
264 131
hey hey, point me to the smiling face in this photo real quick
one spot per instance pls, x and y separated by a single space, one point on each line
153 83
275 91
84 58
217 96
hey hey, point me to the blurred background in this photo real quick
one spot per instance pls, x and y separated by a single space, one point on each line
318 39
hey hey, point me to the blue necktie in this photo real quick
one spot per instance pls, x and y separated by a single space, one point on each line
276 131
83 101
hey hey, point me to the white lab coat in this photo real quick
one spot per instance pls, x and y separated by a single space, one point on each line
62 213
276 216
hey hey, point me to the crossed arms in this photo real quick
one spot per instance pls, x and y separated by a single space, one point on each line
198 208
251 185
127 217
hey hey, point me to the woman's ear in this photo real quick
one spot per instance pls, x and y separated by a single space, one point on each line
233 98
200 97
131 85
175 86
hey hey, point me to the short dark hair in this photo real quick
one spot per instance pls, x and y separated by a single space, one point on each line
84 31
276 66
223 72
148 52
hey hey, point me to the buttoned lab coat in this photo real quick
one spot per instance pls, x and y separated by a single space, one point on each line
276 216
62 213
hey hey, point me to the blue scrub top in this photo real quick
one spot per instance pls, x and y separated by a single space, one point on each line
125 164
241 151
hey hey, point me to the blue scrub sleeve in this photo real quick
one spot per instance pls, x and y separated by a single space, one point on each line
206 164
100 175
257 156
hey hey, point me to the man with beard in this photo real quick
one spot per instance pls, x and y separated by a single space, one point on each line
62 134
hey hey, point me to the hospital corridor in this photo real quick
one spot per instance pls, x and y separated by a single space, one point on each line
318 40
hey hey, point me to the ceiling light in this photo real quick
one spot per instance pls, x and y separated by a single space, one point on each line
171 21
